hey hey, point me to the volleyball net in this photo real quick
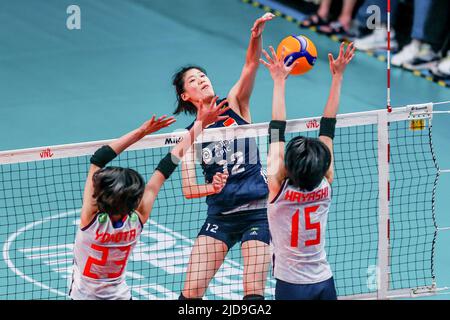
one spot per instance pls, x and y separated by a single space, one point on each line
380 238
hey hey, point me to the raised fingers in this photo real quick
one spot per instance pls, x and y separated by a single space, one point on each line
264 63
162 123
292 66
351 55
331 59
221 104
168 122
272 50
213 101
161 118
152 119
283 53
268 16
269 59
341 50
348 50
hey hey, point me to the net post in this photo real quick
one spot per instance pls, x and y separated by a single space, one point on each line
383 205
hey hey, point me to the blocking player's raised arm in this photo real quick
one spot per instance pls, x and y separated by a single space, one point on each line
328 121
107 153
275 161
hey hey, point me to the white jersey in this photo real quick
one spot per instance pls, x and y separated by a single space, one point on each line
297 222
100 257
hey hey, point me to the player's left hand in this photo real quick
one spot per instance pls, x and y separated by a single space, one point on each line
337 67
258 26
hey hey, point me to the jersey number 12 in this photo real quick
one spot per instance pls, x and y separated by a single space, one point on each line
239 158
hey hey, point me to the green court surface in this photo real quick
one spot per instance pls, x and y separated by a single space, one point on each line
61 86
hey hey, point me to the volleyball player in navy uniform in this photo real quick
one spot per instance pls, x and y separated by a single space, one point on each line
236 187
300 179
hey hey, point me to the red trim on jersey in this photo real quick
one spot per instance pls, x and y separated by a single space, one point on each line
280 191
90 223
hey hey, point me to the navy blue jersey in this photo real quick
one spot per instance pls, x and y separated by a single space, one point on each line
247 181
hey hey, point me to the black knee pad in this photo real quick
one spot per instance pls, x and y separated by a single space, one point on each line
182 297
253 297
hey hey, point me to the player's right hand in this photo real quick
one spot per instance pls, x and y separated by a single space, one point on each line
219 181
338 65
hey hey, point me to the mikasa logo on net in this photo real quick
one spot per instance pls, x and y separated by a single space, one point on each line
173 140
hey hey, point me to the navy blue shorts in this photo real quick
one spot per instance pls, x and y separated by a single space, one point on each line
244 226
324 290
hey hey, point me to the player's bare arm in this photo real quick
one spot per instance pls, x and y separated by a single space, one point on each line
337 68
115 148
205 116
275 161
239 95
192 189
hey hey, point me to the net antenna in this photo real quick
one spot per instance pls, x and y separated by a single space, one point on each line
388 59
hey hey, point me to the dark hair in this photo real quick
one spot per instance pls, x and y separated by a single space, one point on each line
307 161
117 191
178 83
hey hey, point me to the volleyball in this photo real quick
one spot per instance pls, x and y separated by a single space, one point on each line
301 49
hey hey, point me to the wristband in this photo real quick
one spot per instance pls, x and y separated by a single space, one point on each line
277 129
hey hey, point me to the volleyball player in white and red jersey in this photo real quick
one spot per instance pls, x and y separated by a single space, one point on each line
300 190
116 205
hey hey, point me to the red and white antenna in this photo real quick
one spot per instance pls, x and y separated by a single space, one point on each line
388 102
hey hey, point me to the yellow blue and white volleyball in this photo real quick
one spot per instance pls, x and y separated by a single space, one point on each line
300 49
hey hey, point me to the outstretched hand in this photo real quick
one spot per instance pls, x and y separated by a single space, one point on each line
277 68
207 115
258 26
337 67
154 125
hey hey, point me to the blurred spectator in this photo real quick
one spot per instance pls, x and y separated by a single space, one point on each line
321 18
376 40
430 27
441 70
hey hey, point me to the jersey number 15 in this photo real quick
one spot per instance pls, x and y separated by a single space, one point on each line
308 226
